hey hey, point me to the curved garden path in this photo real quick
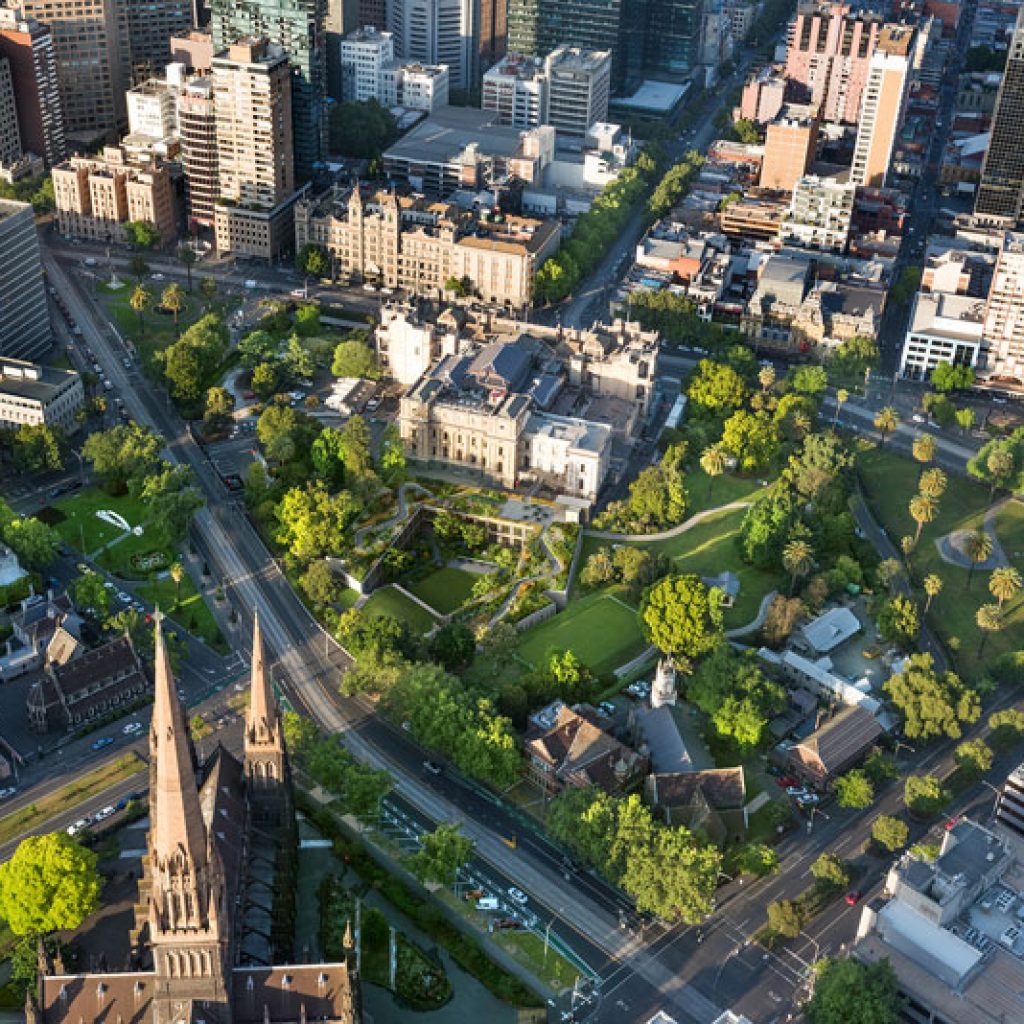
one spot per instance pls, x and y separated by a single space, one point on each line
554 568
951 551
675 531
757 621
400 515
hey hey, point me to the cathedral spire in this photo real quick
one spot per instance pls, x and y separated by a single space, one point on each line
263 721
176 819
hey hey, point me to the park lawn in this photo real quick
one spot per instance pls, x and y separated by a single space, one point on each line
601 629
445 590
890 481
704 492
190 611
83 788
1010 529
80 518
707 549
389 601
526 947
347 598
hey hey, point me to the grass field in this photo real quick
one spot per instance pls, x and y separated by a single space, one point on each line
600 629
890 481
703 492
74 793
707 549
388 601
444 590
191 612
80 518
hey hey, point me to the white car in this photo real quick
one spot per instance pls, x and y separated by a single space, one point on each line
796 791
158 277
518 896
917 418
131 728
107 812
78 826
808 799
124 596
7 792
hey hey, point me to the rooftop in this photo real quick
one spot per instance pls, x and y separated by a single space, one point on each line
828 631
444 136
33 381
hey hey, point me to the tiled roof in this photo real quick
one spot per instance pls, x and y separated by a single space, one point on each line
839 741
723 788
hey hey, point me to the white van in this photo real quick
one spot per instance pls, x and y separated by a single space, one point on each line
488 903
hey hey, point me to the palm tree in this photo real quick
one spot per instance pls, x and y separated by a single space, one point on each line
766 377
933 482
1004 584
208 288
907 545
177 573
990 620
712 461
923 448
801 423
887 571
886 422
977 547
139 300
797 559
841 396
187 256
923 509
173 299
932 588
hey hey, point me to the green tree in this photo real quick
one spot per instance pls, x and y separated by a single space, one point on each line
264 379
898 620
121 454
932 703
220 404
923 448
977 546
89 592
441 854
946 377
797 560
974 757
966 419
39 448
712 461
35 543
297 360
752 437
932 587
747 131
313 523
354 358
208 288
499 643
326 456
785 918
831 869
49 884
355 447
933 483
453 646
716 388
362 130
989 618
1008 724
758 859
922 510
257 347
1004 584
319 584
312 261
924 795
809 380
854 789
681 617
142 234
172 298
391 461
890 833
852 992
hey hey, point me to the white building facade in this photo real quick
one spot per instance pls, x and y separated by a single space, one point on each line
366 57
820 214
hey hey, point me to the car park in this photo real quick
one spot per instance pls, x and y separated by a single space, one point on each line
103 741
518 896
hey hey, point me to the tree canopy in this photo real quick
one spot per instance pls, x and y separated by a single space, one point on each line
441 854
121 454
682 617
852 992
932 703
361 129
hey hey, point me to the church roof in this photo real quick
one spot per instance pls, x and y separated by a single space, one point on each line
324 990
222 801
97 997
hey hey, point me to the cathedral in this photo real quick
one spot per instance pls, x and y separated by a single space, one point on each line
196 955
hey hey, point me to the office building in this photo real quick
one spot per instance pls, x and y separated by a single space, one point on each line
342 17
297 26
1010 805
31 394
150 28
437 32
949 927
10 137
418 246
492 31
418 86
820 214
944 328
197 133
215 823
194 50
25 331
671 40
28 46
372 12
790 145
516 89
536 27
366 56
252 83
882 105
1003 332
92 58
153 105
579 84
829 55
1001 189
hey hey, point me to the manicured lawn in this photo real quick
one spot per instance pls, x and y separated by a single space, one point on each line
444 590
890 481
1010 528
347 598
723 489
600 629
388 601
528 948
80 518
707 549
191 611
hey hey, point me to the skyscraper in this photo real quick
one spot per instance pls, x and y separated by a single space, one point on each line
882 105
437 32
197 129
25 331
1001 189
150 27
790 145
299 27
252 99
10 137
29 47
1003 334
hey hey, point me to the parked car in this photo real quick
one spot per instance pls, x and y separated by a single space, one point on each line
607 707
505 922
103 741
79 826
518 896
795 791
102 815
132 727
787 780
433 767
7 792
853 898
124 596
808 799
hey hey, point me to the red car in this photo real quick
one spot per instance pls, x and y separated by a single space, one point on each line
952 823
785 781
852 898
